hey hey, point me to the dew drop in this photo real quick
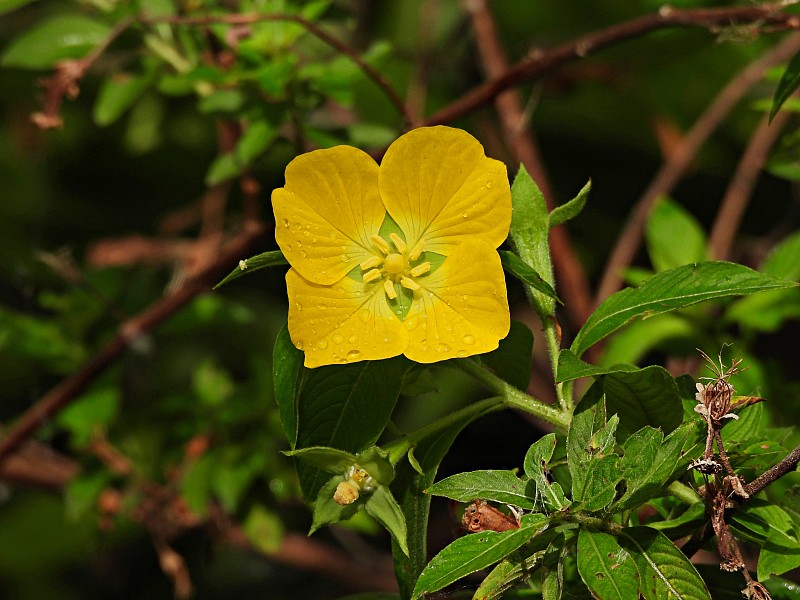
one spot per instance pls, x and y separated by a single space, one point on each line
286 222
489 183
323 344
468 340
299 244
442 347
352 339
299 306
462 354
314 241
303 253
345 258
337 339
299 344
364 315
465 215
322 307
307 233
353 355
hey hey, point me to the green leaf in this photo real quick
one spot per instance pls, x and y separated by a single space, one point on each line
327 511
664 572
499 486
328 459
288 377
513 357
631 344
571 367
52 40
536 460
96 408
346 407
599 485
254 263
582 445
530 236
376 462
674 237
570 210
9 5
787 85
687 523
643 397
670 290
758 519
264 529
514 265
117 94
607 569
254 141
780 553
382 507
475 552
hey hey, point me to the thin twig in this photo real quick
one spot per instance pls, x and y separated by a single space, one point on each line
127 335
774 473
679 161
317 32
522 141
539 63
739 191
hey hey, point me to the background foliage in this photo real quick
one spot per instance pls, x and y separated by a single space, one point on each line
165 473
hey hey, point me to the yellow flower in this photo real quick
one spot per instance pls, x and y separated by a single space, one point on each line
396 259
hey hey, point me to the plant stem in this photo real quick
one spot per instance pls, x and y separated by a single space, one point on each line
513 397
684 493
553 349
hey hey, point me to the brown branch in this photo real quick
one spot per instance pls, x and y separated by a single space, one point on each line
523 145
317 32
774 473
679 161
539 63
739 191
127 334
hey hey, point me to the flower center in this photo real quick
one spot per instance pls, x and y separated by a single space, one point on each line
394 264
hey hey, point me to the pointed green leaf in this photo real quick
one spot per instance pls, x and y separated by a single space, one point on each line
9 5
670 290
536 460
571 367
673 236
589 418
607 569
515 266
664 572
327 511
254 263
789 82
530 236
600 483
346 407
52 40
376 462
117 94
643 397
499 486
288 376
475 552
779 554
382 507
328 459
512 359
570 210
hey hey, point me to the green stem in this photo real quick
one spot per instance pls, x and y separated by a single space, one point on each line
553 349
588 521
513 397
684 493
399 447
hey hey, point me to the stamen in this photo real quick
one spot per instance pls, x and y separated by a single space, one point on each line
398 242
420 269
372 276
371 263
381 244
416 251
409 284
388 286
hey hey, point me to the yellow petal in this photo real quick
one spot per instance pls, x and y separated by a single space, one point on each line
327 212
461 309
440 188
345 322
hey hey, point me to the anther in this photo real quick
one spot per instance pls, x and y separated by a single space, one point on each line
416 251
420 269
372 276
381 244
388 286
409 284
371 263
398 242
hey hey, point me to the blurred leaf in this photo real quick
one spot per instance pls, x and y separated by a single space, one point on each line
643 397
346 407
289 376
674 237
664 572
536 460
607 569
225 166
256 138
211 384
82 493
42 342
631 344
787 85
231 481
9 5
117 94
474 552
515 266
498 486
222 102
530 236
382 507
513 358
96 408
670 290
196 484
264 529
570 210
52 40
273 258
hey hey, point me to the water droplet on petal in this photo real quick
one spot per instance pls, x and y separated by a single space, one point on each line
337 339
323 344
345 258
465 215
364 315
322 307
307 233
299 244
299 306
489 183
468 340
354 355
442 348
299 344
352 339
286 222
462 354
